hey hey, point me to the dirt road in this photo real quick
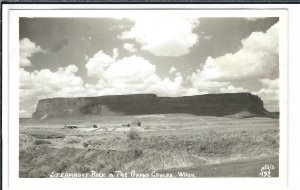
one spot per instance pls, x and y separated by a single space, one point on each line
242 168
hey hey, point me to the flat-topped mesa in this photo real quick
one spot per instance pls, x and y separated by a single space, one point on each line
139 104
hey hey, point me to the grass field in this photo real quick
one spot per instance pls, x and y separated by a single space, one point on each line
203 146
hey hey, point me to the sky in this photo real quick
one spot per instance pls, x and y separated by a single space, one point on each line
168 56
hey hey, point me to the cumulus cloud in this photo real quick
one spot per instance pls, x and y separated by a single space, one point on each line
45 83
86 57
193 91
98 64
269 90
202 83
271 84
206 86
178 74
251 18
258 58
210 86
204 37
172 70
129 47
27 49
254 18
233 89
129 70
164 36
115 53
129 75
269 93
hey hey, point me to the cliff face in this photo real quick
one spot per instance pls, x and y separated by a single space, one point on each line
209 104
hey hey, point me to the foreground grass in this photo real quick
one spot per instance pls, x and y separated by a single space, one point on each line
135 151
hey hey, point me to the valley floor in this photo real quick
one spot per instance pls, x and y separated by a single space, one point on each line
168 144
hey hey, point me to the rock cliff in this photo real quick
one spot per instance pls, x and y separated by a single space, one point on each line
136 104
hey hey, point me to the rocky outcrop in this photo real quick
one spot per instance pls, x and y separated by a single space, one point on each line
136 104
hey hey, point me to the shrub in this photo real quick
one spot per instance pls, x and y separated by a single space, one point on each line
137 153
82 168
39 142
100 163
203 148
212 132
110 168
48 136
274 141
79 168
41 172
62 166
85 144
133 135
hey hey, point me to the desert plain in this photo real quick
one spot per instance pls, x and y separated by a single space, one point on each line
164 145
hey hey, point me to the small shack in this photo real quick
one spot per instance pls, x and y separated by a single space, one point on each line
70 126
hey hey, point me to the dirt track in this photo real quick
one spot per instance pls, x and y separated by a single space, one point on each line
241 168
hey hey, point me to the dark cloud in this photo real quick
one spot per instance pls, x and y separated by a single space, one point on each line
58 45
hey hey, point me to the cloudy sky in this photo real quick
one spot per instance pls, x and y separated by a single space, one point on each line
168 56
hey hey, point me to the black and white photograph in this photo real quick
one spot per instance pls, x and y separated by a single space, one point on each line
149 96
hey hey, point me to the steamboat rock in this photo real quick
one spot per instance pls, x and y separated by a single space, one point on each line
140 104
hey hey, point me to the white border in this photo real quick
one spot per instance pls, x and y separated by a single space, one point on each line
10 123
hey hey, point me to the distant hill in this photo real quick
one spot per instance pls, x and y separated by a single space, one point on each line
140 104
